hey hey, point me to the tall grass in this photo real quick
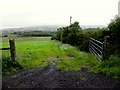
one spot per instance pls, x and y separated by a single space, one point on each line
9 66
109 67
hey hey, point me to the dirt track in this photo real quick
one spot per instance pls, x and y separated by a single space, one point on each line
50 77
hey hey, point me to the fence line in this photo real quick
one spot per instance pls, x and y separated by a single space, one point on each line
4 48
12 49
99 49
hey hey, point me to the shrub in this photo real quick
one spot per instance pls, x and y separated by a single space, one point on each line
5 35
9 66
114 31
75 36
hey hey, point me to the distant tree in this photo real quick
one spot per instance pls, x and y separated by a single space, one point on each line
68 34
5 36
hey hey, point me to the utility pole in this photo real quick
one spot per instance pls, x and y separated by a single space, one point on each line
70 19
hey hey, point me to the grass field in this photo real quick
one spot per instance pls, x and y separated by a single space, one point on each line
41 51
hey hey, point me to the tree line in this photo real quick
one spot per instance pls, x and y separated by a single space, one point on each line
34 33
76 36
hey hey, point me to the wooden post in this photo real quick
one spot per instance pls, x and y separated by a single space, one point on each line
12 49
106 48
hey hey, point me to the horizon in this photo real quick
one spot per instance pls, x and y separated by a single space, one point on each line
57 26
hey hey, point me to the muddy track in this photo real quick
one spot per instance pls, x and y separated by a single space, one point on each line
50 77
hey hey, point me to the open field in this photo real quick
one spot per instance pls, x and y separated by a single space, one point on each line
52 64
23 39
35 52
41 51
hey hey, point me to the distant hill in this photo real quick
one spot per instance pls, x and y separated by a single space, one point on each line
92 26
45 28
35 28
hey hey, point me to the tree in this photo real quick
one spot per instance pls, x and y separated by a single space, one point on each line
74 29
114 30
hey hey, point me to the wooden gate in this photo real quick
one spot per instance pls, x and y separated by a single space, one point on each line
100 50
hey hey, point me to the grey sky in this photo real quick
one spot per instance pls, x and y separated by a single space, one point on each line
21 13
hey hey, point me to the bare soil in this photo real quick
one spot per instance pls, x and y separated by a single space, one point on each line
50 77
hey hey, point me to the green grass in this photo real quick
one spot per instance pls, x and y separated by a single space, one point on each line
40 52
24 39
109 67
9 66
35 53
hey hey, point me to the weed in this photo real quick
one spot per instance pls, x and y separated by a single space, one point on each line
9 66
109 67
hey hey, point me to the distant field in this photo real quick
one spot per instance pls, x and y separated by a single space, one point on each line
22 39
41 51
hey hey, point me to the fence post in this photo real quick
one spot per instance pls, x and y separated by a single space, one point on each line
12 49
106 48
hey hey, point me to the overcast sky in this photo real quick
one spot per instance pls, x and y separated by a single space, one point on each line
22 13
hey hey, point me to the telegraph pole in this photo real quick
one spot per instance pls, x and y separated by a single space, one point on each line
70 19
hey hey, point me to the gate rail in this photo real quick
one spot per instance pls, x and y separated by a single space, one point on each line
99 49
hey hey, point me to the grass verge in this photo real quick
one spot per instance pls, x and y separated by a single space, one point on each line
109 67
